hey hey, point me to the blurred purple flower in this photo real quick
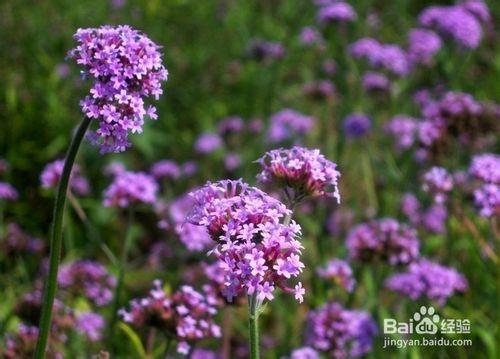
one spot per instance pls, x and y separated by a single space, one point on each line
8 192
487 199
230 125
375 81
403 129
340 272
410 207
384 239
434 219
207 143
126 67
166 169
423 45
356 125
265 51
16 242
428 279
232 161
307 172
189 168
338 11
329 67
288 124
129 188
321 89
305 353
486 167
438 182
310 36
51 176
91 325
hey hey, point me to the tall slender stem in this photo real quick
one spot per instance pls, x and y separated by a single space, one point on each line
50 286
253 326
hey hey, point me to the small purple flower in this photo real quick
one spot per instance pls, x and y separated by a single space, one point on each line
230 125
51 176
487 199
130 188
410 207
127 68
329 67
428 279
310 36
403 129
16 242
304 353
114 168
8 192
340 272
340 333
478 8
258 253
265 51
232 161
189 168
434 218
423 45
307 172
88 278
186 315
486 167
336 12
356 125
322 89
207 143
438 182
288 124
384 239
340 221
91 325
166 169
375 81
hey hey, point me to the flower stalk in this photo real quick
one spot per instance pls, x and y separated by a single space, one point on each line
253 326
50 286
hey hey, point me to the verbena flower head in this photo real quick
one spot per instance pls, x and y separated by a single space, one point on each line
166 169
51 175
486 167
88 278
455 22
410 207
4 166
8 192
423 45
375 81
304 353
428 279
208 143
433 219
487 199
403 129
16 242
438 182
230 125
22 344
336 12
340 272
126 67
91 325
384 239
307 172
287 125
388 56
356 125
339 332
187 315
478 8
232 161
310 35
129 188
258 252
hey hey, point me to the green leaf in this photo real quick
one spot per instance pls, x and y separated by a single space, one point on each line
134 338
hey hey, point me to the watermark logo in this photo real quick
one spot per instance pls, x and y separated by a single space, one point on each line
426 321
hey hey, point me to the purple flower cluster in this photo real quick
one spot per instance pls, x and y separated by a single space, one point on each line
438 182
339 332
16 241
486 168
51 175
22 344
340 272
338 11
304 353
310 36
319 90
88 278
207 143
422 45
186 315
91 325
384 239
166 169
356 125
375 81
126 67
130 188
433 219
428 279
195 238
307 172
403 129
258 252
457 22
8 192
230 125
388 56
265 51
288 124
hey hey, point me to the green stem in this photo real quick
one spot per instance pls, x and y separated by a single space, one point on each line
253 326
121 270
50 286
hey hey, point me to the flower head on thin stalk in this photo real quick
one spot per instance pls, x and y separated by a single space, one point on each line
384 239
428 279
438 182
127 68
339 332
304 171
51 175
340 272
259 253
8 192
88 278
187 315
130 188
